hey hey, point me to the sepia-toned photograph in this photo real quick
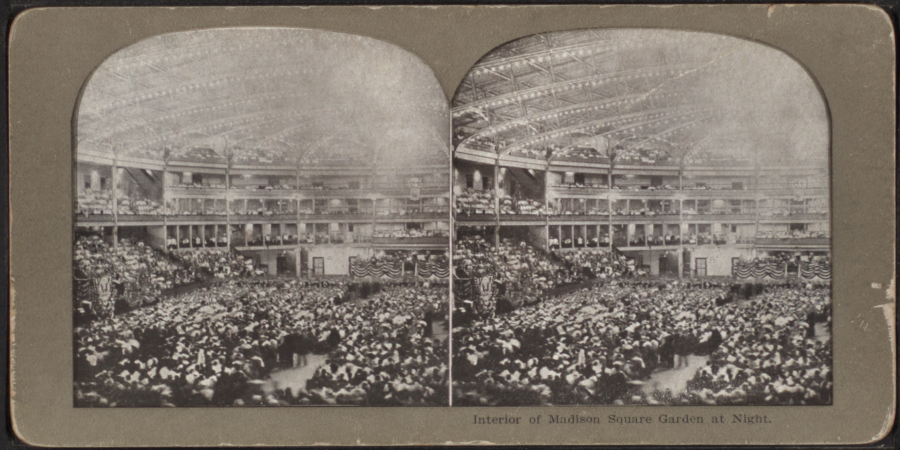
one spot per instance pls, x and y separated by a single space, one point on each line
641 218
261 219
391 225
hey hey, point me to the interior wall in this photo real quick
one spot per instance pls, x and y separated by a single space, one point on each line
718 260
337 258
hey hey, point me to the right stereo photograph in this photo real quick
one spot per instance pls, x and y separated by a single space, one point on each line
641 217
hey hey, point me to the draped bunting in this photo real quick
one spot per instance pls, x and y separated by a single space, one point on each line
760 269
815 269
426 269
376 269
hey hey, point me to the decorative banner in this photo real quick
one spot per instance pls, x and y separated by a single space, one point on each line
102 302
392 270
815 269
441 271
760 269
485 287
425 269
485 303
104 289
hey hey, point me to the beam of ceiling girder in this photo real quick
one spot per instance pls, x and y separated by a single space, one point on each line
614 120
581 107
513 97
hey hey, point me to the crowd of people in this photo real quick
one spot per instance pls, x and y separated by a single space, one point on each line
409 233
129 262
129 269
474 202
622 155
471 202
217 346
92 203
793 234
266 187
139 206
644 187
287 210
259 239
601 345
220 264
601 208
632 155
578 242
211 240
521 269
509 205
596 263
198 185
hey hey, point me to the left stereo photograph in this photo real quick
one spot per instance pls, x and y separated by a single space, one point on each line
261 219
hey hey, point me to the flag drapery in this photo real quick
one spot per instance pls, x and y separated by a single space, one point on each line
424 269
815 269
760 269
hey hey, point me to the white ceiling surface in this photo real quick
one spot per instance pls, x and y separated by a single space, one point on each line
702 95
266 95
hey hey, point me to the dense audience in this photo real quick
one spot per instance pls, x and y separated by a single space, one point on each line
595 263
519 267
405 210
406 257
217 346
643 155
90 202
290 208
795 234
266 187
578 152
600 346
582 185
509 205
579 242
141 206
199 185
410 233
130 262
622 155
258 239
218 263
578 209
132 273
265 211
475 202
